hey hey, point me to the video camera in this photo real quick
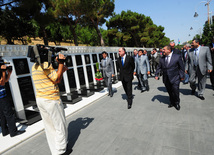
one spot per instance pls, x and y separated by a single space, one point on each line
42 53
4 63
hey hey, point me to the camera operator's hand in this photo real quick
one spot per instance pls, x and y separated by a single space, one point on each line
9 71
65 68
61 67
3 68
61 56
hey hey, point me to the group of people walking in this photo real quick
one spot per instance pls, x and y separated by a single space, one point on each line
187 66
190 65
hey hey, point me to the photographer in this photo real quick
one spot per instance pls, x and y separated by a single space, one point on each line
8 124
50 105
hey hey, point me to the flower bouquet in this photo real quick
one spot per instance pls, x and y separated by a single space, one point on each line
98 74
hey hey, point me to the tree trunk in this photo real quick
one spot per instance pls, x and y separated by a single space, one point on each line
72 28
102 43
45 37
135 40
9 41
74 35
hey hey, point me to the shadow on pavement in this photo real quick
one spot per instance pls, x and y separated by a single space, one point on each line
163 89
124 96
209 86
183 91
161 99
74 129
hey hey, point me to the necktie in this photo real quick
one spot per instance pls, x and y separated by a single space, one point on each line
196 57
122 61
104 62
167 60
185 56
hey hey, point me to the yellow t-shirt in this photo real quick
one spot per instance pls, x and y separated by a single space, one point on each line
44 81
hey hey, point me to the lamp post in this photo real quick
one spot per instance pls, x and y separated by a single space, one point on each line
207 3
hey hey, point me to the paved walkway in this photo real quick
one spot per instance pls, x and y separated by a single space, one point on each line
107 127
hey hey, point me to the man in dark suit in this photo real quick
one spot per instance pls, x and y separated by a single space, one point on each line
126 68
135 56
173 72
173 49
211 45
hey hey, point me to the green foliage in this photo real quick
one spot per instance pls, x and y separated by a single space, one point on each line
207 35
134 29
13 27
78 21
98 74
97 14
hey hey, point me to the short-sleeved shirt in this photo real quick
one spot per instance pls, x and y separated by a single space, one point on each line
44 81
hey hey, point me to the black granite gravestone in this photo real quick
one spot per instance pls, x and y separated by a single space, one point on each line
81 76
94 57
28 99
27 92
78 60
100 57
87 59
71 78
69 62
65 97
72 84
89 73
115 56
21 66
111 56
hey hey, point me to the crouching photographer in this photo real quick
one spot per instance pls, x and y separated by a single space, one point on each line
8 123
45 79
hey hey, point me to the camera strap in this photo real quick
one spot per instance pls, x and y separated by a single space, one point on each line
49 58
36 52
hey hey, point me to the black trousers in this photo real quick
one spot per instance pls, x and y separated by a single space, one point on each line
173 91
8 124
212 79
127 86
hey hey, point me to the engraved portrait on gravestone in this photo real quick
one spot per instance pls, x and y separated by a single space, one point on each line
21 66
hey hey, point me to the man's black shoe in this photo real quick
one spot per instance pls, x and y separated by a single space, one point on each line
201 97
67 152
193 92
177 107
17 133
170 106
129 106
111 95
6 133
143 90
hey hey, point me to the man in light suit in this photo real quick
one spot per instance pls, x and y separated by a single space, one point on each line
135 56
107 68
173 72
198 64
142 68
126 67
186 49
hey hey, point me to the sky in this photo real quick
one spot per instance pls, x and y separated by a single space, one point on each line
176 16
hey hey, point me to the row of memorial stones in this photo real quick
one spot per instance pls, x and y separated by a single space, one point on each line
73 96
